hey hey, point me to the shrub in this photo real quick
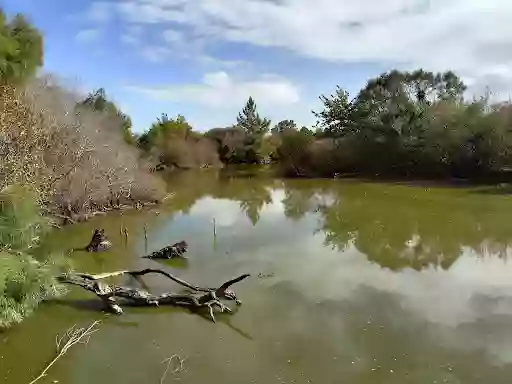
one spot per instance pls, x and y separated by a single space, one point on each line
24 281
294 153
20 218
74 161
189 153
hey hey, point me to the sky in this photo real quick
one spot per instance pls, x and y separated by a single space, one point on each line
204 58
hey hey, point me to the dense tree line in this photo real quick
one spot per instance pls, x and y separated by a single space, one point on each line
413 124
401 124
173 142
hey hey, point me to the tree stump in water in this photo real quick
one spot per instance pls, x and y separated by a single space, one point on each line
98 242
109 293
177 250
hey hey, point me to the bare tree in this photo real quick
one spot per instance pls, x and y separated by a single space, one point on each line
75 158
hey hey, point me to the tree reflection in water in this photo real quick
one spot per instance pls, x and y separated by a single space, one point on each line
399 226
395 226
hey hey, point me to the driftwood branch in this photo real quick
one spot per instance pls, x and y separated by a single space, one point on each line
72 337
169 360
110 293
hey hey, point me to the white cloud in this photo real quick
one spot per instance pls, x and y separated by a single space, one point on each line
161 53
100 11
471 37
155 54
88 35
219 89
222 63
133 36
173 36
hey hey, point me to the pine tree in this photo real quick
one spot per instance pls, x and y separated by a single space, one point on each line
250 120
255 129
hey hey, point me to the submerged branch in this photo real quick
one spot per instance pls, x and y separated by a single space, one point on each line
141 273
169 360
72 337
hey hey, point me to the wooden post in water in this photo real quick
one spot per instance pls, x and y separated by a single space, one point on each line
145 237
125 232
121 233
214 234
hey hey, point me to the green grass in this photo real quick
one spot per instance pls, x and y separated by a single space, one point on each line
24 281
24 284
20 218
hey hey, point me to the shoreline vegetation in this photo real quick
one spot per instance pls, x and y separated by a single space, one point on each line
65 157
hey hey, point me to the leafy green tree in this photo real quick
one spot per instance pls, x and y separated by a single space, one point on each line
21 49
385 107
283 126
98 101
306 131
389 119
165 128
338 117
173 143
394 102
449 87
294 152
389 105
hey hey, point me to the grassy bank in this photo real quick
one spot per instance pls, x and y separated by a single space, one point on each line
25 281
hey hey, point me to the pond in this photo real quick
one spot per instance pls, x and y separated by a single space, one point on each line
350 282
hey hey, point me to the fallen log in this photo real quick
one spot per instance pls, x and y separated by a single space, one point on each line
109 293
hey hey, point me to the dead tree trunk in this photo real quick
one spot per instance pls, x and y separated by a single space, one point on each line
177 250
98 242
109 293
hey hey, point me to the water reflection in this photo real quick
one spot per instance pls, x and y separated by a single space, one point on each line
394 226
363 283
399 226
415 256
251 196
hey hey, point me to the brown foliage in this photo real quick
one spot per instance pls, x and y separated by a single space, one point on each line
230 143
191 152
76 162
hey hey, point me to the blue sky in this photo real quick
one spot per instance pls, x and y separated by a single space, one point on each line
203 58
